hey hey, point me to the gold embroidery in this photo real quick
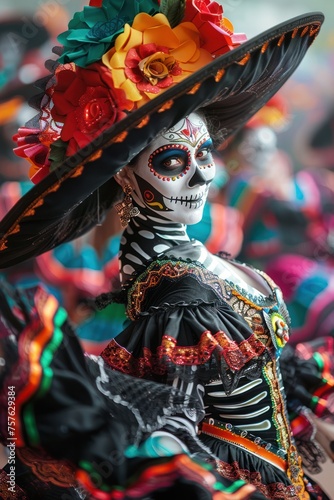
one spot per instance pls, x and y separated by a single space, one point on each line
15 230
78 171
314 30
29 213
143 122
281 40
166 106
194 89
30 210
305 30
246 301
219 75
235 355
95 156
264 47
118 138
284 437
294 33
244 60
295 473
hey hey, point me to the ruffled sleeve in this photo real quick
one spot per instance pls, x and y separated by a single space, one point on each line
75 410
180 318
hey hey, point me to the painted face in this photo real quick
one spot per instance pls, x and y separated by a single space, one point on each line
172 176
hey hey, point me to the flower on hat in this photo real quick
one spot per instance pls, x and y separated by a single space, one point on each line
93 30
86 103
118 55
34 146
217 32
150 56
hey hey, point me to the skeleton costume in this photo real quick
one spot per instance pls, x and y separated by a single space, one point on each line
210 326
130 102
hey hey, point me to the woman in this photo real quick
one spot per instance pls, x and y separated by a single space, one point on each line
208 326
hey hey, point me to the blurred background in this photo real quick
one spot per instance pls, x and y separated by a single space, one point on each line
310 93
273 204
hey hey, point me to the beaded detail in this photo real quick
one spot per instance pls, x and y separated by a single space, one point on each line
160 269
245 439
225 289
235 356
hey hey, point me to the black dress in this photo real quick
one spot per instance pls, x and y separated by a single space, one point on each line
75 429
224 341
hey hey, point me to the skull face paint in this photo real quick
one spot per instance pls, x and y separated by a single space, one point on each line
172 176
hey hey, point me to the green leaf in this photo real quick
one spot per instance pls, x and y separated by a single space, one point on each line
174 11
57 153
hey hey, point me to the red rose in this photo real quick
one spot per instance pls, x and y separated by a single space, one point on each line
86 102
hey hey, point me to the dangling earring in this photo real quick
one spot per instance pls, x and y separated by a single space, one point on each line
125 208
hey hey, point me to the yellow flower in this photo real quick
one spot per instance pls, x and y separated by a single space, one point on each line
150 56
156 67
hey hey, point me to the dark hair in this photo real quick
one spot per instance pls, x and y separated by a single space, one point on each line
213 126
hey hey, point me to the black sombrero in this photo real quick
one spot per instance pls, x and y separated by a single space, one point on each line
232 87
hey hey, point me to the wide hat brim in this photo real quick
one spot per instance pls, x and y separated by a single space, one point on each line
232 88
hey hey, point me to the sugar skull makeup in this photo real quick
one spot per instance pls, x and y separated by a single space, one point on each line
172 176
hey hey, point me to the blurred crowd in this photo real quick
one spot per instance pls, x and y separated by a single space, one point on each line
266 208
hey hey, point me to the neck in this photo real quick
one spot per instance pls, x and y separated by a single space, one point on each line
145 237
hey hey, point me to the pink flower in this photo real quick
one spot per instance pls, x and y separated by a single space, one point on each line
34 145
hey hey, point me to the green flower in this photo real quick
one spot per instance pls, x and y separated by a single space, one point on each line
92 31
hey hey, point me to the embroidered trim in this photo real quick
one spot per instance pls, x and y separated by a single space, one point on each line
47 469
245 440
273 490
284 437
235 355
160 269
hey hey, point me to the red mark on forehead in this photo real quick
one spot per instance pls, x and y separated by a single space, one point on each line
191 131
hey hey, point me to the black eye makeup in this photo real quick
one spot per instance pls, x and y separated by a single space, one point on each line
171 161
204 154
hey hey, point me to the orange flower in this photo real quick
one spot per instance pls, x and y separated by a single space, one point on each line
150 56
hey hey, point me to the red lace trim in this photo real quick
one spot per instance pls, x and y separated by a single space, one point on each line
278 490
47 469
235 355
